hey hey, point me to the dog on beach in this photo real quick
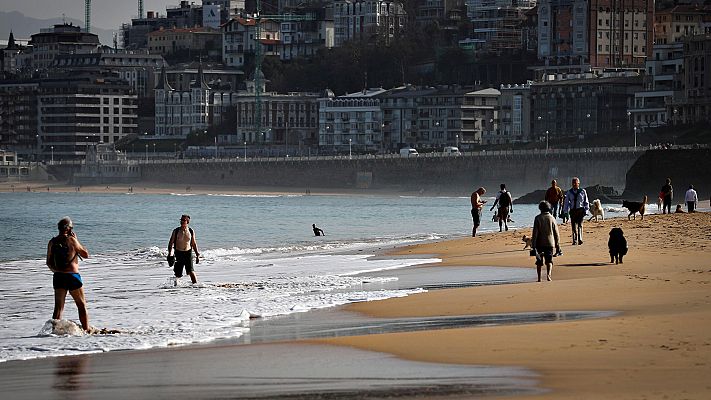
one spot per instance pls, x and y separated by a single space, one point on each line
596 210
527 241
660 200
635 207
617 245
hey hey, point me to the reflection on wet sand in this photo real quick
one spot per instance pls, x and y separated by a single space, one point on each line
69 373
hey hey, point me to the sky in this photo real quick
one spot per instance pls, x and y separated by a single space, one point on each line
106 14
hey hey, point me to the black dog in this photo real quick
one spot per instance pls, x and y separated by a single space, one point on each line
617 245
635 207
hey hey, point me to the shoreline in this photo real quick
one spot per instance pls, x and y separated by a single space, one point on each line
658 344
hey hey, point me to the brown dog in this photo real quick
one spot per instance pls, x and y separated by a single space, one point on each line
527 241
635 207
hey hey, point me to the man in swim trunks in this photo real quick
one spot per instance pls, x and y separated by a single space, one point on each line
62 253
477 204
183 240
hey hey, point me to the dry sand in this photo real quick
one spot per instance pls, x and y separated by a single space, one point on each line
658 347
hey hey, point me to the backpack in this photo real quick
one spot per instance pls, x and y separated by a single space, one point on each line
60 253
505 200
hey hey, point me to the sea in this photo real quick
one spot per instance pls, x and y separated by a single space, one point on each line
260 259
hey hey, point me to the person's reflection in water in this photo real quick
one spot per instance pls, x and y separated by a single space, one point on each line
68 373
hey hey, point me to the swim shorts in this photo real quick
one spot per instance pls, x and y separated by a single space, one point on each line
183 259
476 216
545 254
67 281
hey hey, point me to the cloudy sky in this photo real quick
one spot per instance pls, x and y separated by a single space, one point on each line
107 14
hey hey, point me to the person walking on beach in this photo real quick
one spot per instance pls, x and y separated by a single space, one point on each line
183 240
505 203
477 204
545 239
62 253
577 205
691 198
667 193
554 197
317 231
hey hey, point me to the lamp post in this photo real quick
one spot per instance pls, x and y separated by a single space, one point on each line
146 152
456 137
635 138
52 159
215 146
154 150
245 150
547 142
350 146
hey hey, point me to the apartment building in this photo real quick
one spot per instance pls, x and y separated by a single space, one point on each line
370 20
663 88
197 41
181 112
673 24
497 24
78 111
515 113
240 39
60 39
353 120
18 118
697 80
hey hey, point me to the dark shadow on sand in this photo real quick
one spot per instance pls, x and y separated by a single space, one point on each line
584 265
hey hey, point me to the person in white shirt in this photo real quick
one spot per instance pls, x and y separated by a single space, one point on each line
691 198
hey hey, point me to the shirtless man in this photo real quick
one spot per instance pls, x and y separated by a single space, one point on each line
183 240
477 204
62 253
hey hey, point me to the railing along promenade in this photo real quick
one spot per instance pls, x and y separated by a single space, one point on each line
170 158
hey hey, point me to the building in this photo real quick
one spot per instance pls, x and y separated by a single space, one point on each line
353 120
8 57
576 36
400 115
18 118
515 113
136 67
216 75
582 105
182 41
497 24
303 38
663 90
288 119
370 20
673 24
78 111
181 112
697 81
135 35
61 39
239 40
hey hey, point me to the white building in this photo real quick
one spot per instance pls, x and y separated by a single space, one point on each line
654 106
367 20
239 38
515 113
354 119
178 113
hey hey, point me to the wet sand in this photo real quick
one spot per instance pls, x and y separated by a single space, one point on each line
658 347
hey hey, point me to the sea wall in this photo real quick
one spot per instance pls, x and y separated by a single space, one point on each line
432 175
683 166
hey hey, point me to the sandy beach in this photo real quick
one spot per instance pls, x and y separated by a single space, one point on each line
658 347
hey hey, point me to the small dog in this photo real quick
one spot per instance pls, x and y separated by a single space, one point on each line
660 201
564 216
596 210
527 241
617 245
635 207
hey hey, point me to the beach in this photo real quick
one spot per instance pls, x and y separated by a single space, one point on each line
651 339
657 347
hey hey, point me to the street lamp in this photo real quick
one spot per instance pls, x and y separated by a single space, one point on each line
546 142
456 137
635 137
245 150
52 147
154 150
350 146
146 152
